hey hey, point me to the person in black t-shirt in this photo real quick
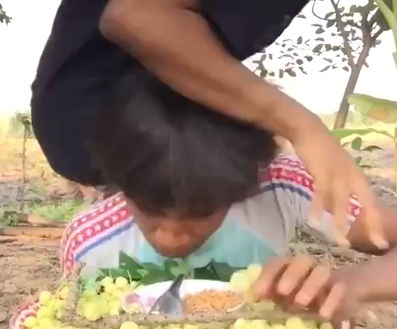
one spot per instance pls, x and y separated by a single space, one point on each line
196 47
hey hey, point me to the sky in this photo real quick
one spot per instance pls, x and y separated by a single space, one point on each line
23 40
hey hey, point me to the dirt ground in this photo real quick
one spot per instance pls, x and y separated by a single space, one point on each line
29 264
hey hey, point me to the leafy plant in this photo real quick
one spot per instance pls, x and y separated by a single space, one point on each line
4 18
342 39
149 273
379 109
357 143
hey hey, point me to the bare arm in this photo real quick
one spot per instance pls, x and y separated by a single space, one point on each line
176 43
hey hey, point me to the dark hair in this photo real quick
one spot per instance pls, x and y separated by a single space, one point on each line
166 152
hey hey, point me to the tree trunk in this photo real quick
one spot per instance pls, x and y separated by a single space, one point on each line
341 116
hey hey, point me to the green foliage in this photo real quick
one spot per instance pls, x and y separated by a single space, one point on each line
4 18
149 273
357 143
378 109
341 36
349 132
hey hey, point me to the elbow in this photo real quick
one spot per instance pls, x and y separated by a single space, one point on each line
135 18
111 21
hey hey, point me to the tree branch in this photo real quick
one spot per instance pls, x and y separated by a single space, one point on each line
345 36
315 14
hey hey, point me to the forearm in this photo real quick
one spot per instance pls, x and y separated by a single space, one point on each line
378 278
178 46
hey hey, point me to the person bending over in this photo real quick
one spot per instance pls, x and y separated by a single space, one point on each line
196 47
201 186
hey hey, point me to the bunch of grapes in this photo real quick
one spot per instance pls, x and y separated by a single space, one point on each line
93 304
105 299
242 282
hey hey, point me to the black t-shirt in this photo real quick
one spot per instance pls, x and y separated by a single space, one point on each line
78 68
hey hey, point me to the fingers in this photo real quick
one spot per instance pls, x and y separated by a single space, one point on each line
339 206
300 282
370 213
336 200
335 297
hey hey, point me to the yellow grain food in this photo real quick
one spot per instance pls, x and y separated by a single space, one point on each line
211 300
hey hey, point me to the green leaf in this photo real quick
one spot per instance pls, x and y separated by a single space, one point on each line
379 109
317 48
346 132
325 68
309 58
371 148
223 270
302 69
205 273
152 267
155 277
301 16
142 272
170 263
358 159
300 40
320 30
365 166
281 73
92 284
291 72
330 23
115 273
129 264
357 143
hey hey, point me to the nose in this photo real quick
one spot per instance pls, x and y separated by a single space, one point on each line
171 244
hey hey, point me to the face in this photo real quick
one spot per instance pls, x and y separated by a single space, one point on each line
173 236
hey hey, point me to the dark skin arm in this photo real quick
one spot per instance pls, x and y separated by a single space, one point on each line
193 62
169 38
339 293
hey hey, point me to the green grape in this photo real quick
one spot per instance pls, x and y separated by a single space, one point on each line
63 293
45 312
258 324
111 289
133 284
30 322
45 297
277 326
107 281
253 272
122 283
190 326
129 325
240 282
114 307
89 293
295 323
326 325
45 323
91 312
311 324
240 324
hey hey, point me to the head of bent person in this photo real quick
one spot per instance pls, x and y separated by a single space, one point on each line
180 165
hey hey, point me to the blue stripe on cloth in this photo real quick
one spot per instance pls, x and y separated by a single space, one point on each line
105 238
273 186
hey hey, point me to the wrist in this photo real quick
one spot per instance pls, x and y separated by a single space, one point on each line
285 116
